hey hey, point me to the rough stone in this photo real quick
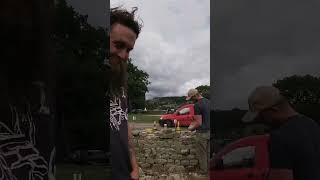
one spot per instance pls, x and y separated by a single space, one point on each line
147 151
170 160
150 160
157 168
145 165
174 156
142 160
180 169
167 136
162 161
184 151
165 156
135 132
194 162
185 162
163 177
156 155
141 173
175 177
176 169
193 151
190 168
191 156
148 178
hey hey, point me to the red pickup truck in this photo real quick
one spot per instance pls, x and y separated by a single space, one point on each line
183 115
246 159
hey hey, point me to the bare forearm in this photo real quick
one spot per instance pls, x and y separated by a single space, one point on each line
197 121
132 152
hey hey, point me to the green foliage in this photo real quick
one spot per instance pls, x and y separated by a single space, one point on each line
79 54
300 89
137 86
204 90
303 92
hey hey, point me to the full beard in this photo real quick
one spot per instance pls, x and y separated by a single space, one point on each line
118 76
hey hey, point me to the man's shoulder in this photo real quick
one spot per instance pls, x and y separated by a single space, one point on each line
301 120
203 101
296 126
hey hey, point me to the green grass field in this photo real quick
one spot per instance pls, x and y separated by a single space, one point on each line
89 172
144 118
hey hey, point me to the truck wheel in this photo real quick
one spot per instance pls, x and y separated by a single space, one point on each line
161 123
170 123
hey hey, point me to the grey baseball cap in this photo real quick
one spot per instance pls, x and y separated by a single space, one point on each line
191 92
261 98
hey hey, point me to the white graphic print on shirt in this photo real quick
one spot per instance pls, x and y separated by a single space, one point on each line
117 114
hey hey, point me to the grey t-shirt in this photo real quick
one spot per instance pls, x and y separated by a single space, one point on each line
296 146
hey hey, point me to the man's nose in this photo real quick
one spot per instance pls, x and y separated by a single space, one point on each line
124 55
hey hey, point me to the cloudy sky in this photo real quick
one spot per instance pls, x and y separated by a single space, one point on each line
174 45
253 43
257 42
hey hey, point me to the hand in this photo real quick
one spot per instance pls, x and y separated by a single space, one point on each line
134 174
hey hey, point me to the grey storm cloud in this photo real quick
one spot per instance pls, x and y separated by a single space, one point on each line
95 9
258 42
174 45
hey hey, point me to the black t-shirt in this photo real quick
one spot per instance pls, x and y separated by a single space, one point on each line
296 146
120 161
202 107
27 148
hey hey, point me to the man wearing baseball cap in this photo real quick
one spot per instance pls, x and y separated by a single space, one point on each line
294 138
201 124
202 111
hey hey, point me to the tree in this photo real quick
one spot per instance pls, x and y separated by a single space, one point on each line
79 53
303 92
137 86
204 90
300 89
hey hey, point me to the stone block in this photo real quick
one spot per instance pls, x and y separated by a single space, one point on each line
185 163
157 168
193 162
184 151
191 156
193 151
162 161
145 165
150 160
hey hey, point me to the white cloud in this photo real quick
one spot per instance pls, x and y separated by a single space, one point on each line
174 45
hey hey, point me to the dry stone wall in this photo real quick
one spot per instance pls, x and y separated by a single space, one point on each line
164 152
